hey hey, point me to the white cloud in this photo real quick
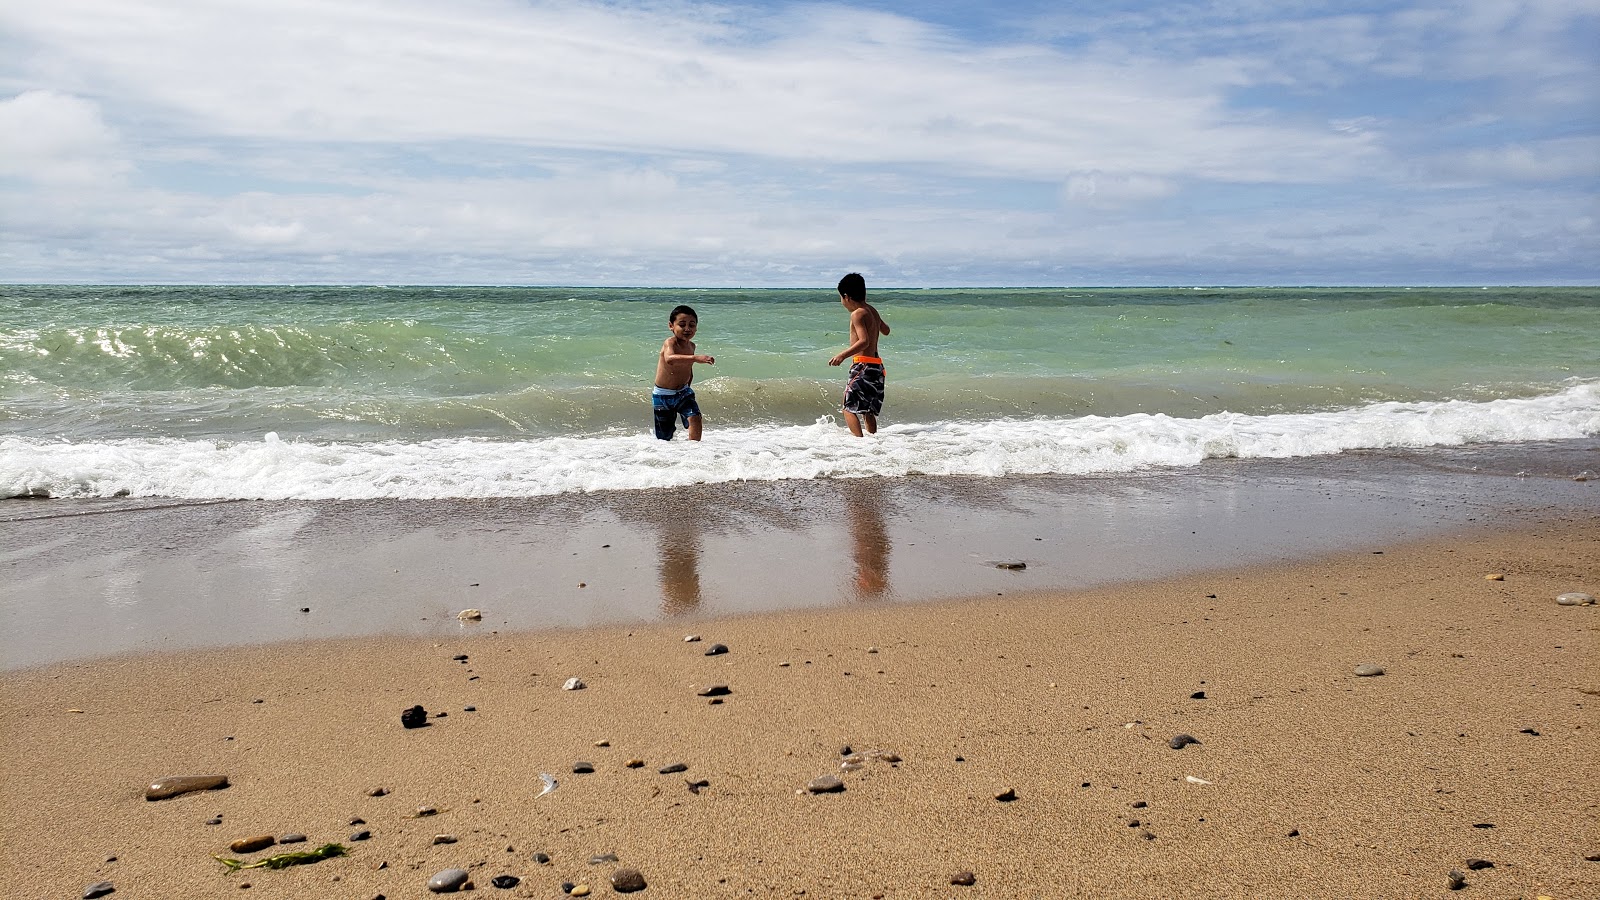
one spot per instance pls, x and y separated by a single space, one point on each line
1558 159
59 139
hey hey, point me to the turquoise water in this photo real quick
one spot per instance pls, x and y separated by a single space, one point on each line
341 371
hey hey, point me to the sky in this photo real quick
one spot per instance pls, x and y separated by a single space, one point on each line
752 144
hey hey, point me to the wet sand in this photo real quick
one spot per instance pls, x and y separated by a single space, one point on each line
1476 743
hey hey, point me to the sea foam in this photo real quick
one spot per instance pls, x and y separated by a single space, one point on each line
277 469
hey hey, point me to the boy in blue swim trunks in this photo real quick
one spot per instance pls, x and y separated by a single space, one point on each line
673 398
863 393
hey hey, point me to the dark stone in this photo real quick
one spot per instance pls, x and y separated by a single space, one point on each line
1294 832
1529 731
460 657
505 882
1476 864
358 821
361 835
415 717
378 792
716 649
1006 796
582 768
1458 879
1182 741
214 820
1013 566
99 889
675 767
183 784
695 786
567 886
626 881
469 709
542 859
716 690
252 844
845 750
1198 695
964 879
825 784
1139 804
292 838
1482 824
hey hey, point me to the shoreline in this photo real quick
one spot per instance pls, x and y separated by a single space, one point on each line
83 580
1319 783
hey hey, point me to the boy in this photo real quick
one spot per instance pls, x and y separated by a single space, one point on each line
863 393
673 398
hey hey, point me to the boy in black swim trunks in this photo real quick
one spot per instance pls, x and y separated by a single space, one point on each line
673 398
863 393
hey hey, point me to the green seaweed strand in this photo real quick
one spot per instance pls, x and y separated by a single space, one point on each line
285 860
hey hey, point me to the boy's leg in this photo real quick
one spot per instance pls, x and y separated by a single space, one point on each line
854 422
872 423
694 428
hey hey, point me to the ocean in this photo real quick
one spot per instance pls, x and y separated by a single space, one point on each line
279 392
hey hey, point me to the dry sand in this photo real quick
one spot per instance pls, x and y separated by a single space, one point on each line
1317 783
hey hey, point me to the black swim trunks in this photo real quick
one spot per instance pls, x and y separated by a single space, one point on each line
863 393
670 406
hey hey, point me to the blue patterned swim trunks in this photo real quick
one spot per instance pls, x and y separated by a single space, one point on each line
671 405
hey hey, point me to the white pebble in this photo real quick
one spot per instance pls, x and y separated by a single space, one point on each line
573 684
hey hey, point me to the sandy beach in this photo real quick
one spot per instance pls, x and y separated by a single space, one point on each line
1063 692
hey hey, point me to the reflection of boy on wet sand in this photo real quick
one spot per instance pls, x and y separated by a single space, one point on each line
863 393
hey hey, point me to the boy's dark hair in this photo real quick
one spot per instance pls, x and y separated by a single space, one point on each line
854 287
679 310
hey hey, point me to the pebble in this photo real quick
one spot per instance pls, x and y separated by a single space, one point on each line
378 792
695 786
1138 804
602 858
293 837
825 784
252 844
580 890
1367 670
1575 598
716 690
443 839
626 881
99 889
1458 879
574 684
361 835
214 820
1181 741
716 649
1198 695
183 784
567 886
602 743
1476 864
448 881
415 717
673 767
1013 566
505 882
582 768
425 811
690 638
1007 795
1495 577
635 763
542 859
964 879
469 615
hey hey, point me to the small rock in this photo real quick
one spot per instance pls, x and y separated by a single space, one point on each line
573 684
580 890
425 811
964 879
1007 795
626 881
602 743
716 649
567 886
183 784
1531 731
1138 804
716 690
1013 566
695 786
634 763
1458 879
214 820
1181 741
252 844
1575 598
505 882
825 784
1147 835
99 889
1477 864
469 615
378 792
358 821
460 657
293 837
448 881
582 768
673 767
690 638
443 839
542 859
1198 695
361 835
872 649
1495 577
415 717
1367 670
602 858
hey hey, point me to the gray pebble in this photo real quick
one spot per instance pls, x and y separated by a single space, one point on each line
626 881
964 879
674 767
183 784
99 889
1458 879
602 858
1367 670
1013 566
1476 864
292 838
448 881
542 859
443 839
1181 741
361 835
825 784
582 768
716 690
1575 599
716 649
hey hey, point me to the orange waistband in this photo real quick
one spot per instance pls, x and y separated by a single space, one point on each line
868 359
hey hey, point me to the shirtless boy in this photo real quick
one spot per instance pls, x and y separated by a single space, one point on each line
863 393
673 398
